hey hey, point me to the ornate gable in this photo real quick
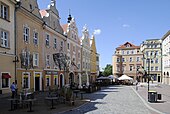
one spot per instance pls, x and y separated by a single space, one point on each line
31 6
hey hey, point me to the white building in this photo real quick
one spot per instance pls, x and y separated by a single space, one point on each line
166 59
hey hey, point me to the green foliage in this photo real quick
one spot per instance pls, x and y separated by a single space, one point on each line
107 70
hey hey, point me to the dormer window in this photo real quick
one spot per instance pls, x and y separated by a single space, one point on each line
128 45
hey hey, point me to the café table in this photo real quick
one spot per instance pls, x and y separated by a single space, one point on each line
81 93
76 92
30 104
52 101
12 103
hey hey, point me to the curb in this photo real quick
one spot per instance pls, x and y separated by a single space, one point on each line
146 104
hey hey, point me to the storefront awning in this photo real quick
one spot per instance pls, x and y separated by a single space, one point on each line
6 75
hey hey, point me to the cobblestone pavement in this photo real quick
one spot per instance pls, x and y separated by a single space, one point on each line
113 100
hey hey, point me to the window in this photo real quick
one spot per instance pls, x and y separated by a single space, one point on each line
152 61
137 59
131 68
122 52
47 60
118 59
35 59
5 80
26 80
26 34
62 45
127 52
4 39
147 53
35 38
31 7
47 41
130 59
156 61
132 52
75 36
4 11
152 53
26 58
55 43
152 68
156 53
123 59
138 67
55 80
156 68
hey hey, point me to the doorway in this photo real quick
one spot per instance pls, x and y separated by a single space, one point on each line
61 80
37 83
159 79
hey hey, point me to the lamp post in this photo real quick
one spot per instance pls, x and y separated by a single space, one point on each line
148 60
137 77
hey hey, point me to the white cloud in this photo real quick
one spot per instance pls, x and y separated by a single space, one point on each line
97 32
125 25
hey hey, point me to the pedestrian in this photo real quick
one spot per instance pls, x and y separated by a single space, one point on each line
13 87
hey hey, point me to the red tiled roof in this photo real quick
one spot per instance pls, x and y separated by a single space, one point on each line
125 46
43 13
65 27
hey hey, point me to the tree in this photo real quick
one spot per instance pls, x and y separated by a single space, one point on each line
107 70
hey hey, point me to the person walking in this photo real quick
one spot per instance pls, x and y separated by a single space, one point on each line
13 88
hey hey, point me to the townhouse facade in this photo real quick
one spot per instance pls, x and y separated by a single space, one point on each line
85 54
73 49
39 51
152 59
53 43
29 33
7 45
127 60
93 61
166 58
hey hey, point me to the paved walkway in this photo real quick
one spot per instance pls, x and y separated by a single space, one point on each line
110 100
40 106
162 106
113 100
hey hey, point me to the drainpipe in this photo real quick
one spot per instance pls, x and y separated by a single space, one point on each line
17 5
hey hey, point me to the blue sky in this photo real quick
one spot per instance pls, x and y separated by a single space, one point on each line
117 21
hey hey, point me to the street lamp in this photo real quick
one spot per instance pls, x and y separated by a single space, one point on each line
148 60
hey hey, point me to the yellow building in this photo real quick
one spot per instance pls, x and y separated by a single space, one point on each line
29 40
127 60
93 61
7 45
